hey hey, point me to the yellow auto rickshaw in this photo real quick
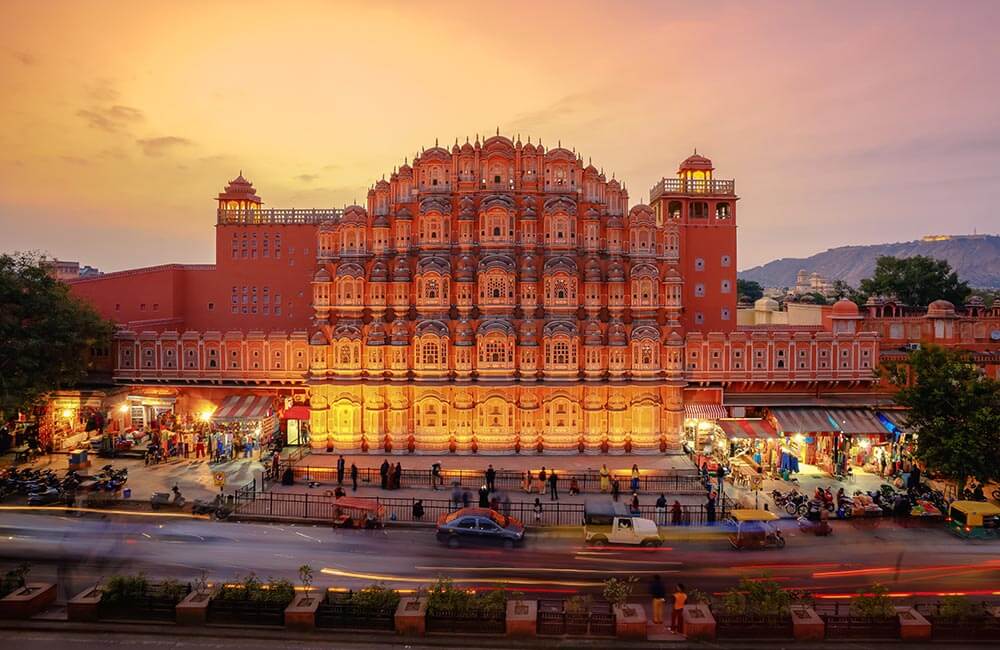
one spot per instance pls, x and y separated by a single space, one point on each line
974 519
754 529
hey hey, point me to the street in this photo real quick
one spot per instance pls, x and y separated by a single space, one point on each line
78 549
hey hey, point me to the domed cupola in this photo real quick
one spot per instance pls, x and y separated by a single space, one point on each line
528 334
376 333
528 208
403 214
592 335
940 309
381 221
592 273
591 214
401 271
379 272
616 272
615 221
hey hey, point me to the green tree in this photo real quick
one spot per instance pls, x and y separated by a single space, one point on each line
750 289
843 290
955 411
916 281
45 334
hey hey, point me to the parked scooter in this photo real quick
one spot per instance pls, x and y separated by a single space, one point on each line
45 497
216 507
172 499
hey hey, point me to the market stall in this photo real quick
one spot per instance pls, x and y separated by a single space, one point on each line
243 423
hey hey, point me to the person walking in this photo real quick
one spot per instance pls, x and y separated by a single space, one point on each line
542 479
605 478
436 479
615 489
484 497
710 510
661 509
340 470
675 513
390 477
466 498
398 476
505 504
720 473
418 510
354 477
658 592
538 510
635 478
383 472
634 506
456 495
526 483
677 615
553 486
491 478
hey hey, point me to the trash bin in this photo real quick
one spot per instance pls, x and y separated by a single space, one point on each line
127 493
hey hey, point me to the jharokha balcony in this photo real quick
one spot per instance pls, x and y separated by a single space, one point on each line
692 186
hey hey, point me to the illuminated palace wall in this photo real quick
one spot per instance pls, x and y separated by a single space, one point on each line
488 297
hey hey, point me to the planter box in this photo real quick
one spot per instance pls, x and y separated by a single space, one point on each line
522 618
27 601
698 622
411 616
193 610
630 621
85 605
912 625
806 624
301 612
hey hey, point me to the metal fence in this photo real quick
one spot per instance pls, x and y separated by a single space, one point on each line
665 481
554 620
842 623
250 503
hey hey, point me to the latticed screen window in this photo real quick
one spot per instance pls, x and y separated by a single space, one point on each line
559 353
647 355
496 351
431 289
495 287
431 355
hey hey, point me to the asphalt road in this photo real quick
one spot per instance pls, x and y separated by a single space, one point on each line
79 550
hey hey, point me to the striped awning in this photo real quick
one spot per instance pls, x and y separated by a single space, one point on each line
244 407
893 419
859 421
746 428
806 420
704 411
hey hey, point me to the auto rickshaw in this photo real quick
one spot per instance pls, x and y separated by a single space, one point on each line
352 512
753 529
974 519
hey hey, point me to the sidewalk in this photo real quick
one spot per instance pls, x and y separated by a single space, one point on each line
513 462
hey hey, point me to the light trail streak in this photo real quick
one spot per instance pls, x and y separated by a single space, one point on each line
375 577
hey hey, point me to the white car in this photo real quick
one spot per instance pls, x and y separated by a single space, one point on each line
608 522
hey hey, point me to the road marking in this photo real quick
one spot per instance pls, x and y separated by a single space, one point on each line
307 536
508 569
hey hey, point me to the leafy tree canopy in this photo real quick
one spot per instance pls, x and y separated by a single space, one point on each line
45 333
954 409
751 289
916 281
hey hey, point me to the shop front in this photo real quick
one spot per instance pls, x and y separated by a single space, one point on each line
832 440
242 425
699 428
750 447
295 425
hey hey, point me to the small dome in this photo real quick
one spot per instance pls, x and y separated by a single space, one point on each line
765 304
376 333
401 272
615 221
400 333
616 272
616 334
593 271
940 308
696 162
321 275
845 308
463 333
379 272
404 214
592 334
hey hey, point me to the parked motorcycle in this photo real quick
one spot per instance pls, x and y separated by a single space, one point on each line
216 507
173 499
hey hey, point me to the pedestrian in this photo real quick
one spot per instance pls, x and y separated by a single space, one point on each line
275 465
456 495
484 497
418 510
538 510
542 479
436 479
466 498
661 509
526 483
390 477
635 478
634 506
340 470
675 513
710 509
677 615
658 591
398 475
720 473
615 489
494 502
491 478
383 472
704 472
553 486
338 492
506 504
914 478
605 478
354 477
199 448
574 487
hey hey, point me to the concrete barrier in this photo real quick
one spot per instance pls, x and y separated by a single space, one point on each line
411 616
522 618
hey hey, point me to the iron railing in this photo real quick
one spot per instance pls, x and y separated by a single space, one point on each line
554 620
337 611
745 626
472 622
691 186
843 623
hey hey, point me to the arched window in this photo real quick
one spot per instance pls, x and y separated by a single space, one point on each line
431 289
722 210
674 210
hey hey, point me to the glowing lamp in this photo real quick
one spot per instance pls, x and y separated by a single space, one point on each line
123 408
206 415
864 444
67 413
798 437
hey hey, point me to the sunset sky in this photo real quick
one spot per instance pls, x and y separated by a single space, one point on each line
842 123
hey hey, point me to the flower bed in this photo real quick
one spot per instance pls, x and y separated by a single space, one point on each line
457 611
251 602
372 608
135 598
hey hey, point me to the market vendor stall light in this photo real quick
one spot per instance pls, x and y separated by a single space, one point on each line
798 437
123 409
864 444
206 415
67 413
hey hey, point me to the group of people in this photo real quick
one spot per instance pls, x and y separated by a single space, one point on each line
390 475
658 592
546 480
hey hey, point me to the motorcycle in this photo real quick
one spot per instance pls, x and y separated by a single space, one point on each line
167 500
45 497
216 507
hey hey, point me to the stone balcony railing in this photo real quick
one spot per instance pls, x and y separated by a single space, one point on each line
290 216
686 186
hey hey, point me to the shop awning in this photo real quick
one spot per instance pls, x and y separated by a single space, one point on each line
893 420
297 412
808 420
244 407
857 421
704 411
746 428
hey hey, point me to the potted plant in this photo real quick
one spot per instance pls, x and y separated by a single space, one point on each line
630 620
301 612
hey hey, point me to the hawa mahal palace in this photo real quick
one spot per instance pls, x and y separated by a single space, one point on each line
493 297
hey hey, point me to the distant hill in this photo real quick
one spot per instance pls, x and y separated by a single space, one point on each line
976 258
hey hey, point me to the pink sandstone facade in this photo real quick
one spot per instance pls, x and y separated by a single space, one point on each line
494 297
